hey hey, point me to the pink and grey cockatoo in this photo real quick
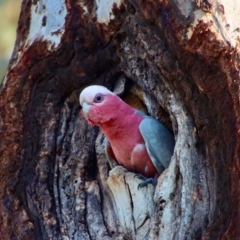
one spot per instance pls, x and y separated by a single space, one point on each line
136 141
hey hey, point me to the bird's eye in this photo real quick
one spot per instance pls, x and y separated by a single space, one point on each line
98 98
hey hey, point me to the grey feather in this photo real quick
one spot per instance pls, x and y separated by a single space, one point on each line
159 141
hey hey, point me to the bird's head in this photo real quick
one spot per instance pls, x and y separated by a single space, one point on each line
99 105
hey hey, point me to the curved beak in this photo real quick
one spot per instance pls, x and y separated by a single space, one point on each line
85 109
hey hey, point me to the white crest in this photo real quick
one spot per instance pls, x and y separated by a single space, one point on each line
88 94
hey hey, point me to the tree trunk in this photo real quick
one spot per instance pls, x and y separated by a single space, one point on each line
177 60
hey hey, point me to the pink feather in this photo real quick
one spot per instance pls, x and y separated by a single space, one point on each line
120 124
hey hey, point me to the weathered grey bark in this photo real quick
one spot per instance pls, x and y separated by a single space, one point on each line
177 59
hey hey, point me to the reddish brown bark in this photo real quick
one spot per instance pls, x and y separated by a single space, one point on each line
53 179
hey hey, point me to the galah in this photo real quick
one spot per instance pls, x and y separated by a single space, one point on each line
136 141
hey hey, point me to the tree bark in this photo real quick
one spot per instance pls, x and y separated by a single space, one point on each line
176 60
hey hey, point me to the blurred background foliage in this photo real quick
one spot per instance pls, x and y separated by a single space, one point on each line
9 13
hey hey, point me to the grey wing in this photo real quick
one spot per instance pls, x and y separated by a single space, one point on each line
159 142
